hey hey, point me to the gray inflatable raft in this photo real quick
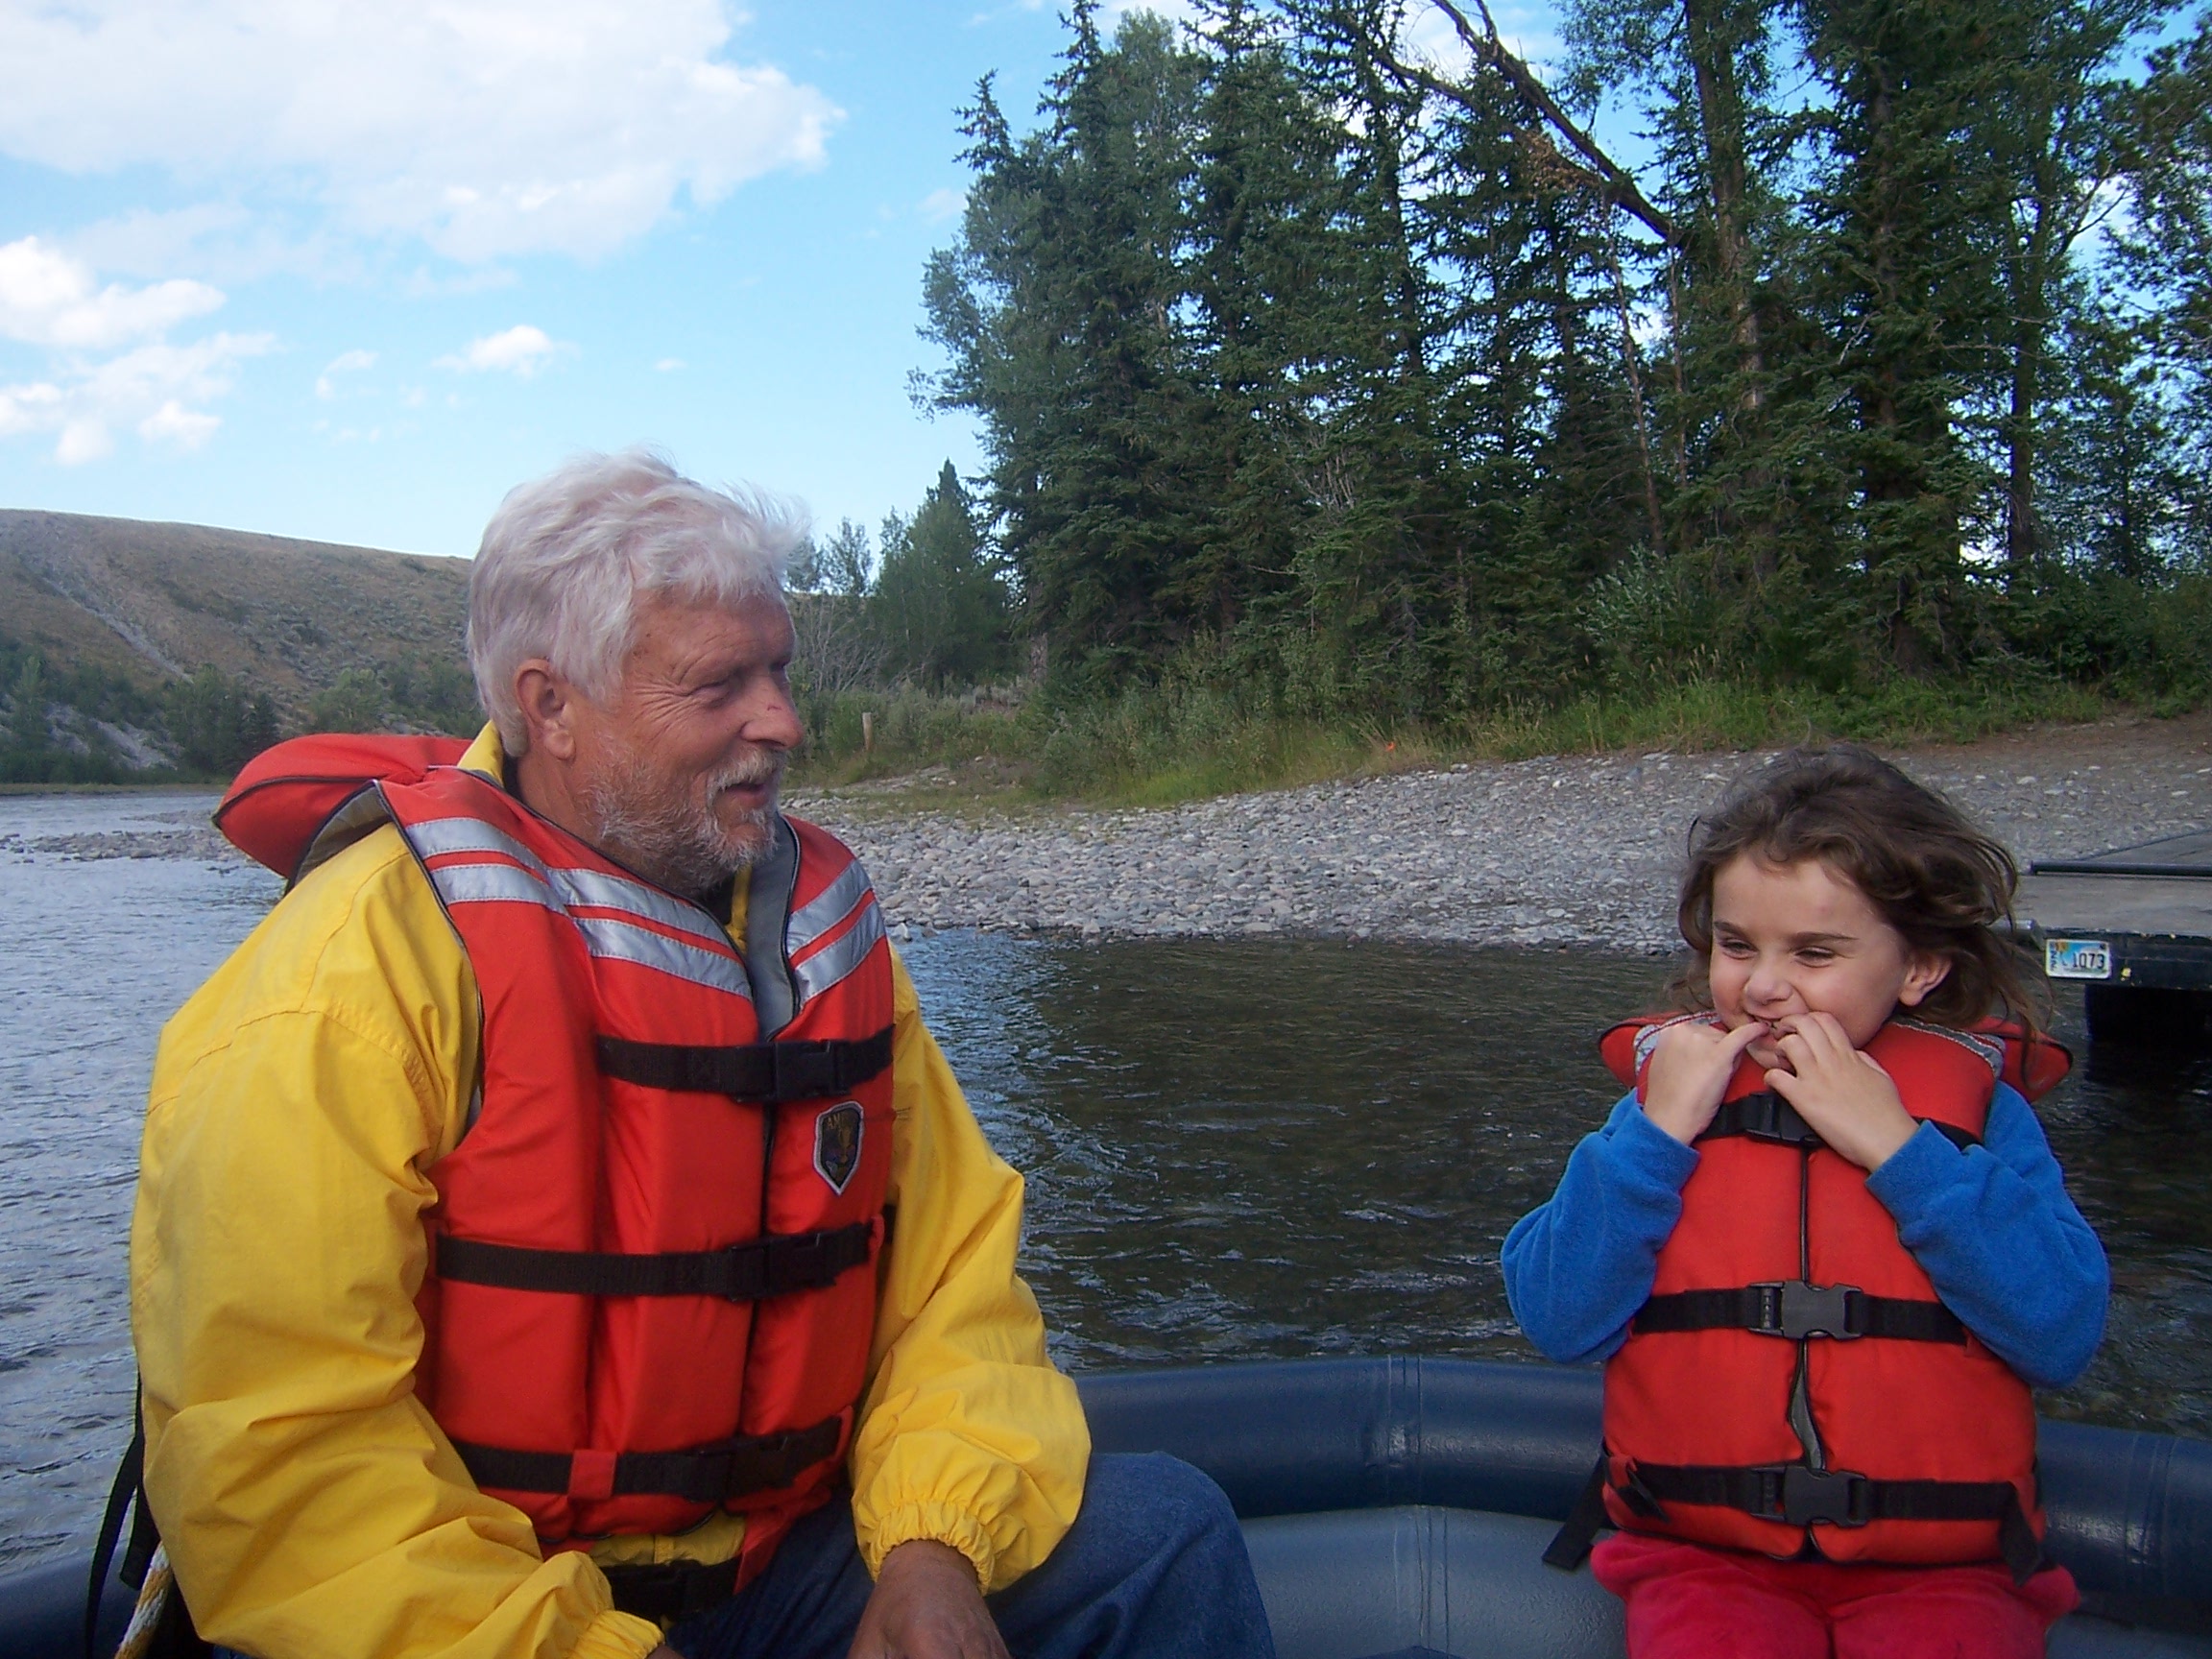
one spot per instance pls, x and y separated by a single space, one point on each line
1401 1507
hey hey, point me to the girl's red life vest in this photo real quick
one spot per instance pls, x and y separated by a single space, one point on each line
1794 1384
650 1294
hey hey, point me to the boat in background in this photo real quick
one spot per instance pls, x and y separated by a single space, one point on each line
1401 1507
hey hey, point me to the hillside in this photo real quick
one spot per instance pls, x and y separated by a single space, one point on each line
134 635
154 602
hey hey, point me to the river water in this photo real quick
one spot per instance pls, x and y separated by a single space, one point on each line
1234 1150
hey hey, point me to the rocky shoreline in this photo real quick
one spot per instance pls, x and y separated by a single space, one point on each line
200 841
1561 850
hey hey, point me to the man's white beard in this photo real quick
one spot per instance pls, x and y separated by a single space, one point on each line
675 839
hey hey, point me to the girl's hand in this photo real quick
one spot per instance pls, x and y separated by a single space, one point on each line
1847 1098
1690 1068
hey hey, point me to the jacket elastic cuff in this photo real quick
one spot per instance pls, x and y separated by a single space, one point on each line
617 1635
1644 1147
936 1523
1909 1178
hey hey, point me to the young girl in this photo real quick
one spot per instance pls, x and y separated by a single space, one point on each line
1823 1246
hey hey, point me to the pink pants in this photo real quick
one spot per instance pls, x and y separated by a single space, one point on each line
1685 1601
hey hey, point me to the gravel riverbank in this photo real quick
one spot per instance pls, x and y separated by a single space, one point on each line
1560 850
1570 850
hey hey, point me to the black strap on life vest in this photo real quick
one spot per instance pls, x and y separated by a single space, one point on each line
1763 1116
120 1497
1569 1545
672 1588
1766 1116
769 1073
1797 1495
1799 1311
714 1474
173 1636
742 1272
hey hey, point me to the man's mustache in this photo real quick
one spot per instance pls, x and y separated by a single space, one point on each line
765 767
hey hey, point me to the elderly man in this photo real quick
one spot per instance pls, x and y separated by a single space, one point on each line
557 1233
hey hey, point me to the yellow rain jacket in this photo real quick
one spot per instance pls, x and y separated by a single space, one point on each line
301 1100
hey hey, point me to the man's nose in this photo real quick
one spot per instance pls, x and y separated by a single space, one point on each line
772 720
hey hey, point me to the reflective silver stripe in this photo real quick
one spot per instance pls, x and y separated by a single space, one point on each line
838 959
604 936
827 908
626 942
438 836
434 836
619 893
490 884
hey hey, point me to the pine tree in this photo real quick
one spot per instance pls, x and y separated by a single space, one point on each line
1909 289
1742 404
2052 129
26 699
1061 312
1263 193
938 606
2167 256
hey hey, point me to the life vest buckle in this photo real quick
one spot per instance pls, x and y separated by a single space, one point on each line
805 1070
671 1588
1799 1496
1766 1116
802 1260
1795 1311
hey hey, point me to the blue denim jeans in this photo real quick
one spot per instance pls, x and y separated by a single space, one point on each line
1154 1568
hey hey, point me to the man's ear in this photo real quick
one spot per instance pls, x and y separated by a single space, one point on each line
1924 971
548 705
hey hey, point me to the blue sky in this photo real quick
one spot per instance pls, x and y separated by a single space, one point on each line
349 271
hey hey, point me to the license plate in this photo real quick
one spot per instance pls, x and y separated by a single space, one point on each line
2077 959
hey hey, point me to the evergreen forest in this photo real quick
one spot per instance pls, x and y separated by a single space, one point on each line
1336 366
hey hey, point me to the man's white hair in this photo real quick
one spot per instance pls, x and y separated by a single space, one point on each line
566 557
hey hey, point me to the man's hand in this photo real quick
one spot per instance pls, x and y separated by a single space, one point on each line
926 1605
1847 1098
1689 1072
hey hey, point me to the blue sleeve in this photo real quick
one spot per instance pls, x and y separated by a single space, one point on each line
1579 1265
2006 1249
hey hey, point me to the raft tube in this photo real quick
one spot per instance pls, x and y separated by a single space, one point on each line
1400 1507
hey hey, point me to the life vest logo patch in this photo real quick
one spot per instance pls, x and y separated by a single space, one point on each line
837 1144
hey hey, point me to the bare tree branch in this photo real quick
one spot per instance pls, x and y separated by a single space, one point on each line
1613 179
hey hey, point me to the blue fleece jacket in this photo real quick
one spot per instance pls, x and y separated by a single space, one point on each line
2006 1250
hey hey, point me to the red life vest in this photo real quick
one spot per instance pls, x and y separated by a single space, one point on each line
650 1295
1795 1383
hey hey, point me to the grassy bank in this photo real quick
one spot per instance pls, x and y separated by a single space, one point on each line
1157 747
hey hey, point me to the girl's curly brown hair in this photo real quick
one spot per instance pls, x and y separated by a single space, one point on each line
1944 884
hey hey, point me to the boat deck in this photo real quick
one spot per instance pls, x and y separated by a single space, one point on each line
2137 917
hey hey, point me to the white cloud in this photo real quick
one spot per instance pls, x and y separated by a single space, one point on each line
48 299
223 241
157 389
486 128
108 365
188 428
669 365
523 349
939 205
345 363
